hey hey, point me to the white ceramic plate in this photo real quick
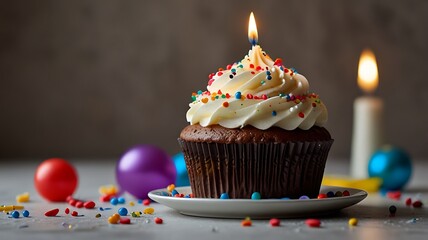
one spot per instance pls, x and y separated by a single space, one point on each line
264 208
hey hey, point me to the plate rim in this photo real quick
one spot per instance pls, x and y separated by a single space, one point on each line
360 193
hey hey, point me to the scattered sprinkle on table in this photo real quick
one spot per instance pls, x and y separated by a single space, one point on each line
158 220
312 222
246 222
274 222
52 213
353 222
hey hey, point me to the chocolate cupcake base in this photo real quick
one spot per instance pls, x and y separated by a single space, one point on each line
275 170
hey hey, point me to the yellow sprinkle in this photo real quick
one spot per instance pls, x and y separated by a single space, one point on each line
353 222
113 219
170 187
149 210
108 190
23 197
11 208
131 204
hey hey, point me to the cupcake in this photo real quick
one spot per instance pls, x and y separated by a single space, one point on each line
256 128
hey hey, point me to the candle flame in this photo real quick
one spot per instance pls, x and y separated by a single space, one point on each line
368 77
252 30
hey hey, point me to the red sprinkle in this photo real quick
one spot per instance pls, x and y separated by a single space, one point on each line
322 195
89 204
312 222
251 65
210 82
274 222
278 62
264 96
249 96
72 202
314 104
125 221
229 67
52 213
74 214
417 204
67 211
179 195
346 193
258 68
105 198
253 72
146 202
158 220
408 202
396 195
225 104
302 115
79 204
69 198
246 223
219 73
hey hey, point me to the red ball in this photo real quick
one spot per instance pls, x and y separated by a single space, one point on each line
55 179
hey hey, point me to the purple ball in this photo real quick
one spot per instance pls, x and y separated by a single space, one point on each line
144 168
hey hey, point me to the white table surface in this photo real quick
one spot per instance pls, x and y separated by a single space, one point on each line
374 220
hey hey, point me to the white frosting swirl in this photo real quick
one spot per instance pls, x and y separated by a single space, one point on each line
260 92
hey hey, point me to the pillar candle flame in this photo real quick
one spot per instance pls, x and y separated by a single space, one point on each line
252 30
368 78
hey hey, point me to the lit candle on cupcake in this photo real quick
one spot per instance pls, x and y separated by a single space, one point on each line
367 132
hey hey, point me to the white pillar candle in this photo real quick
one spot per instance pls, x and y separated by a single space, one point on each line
367 131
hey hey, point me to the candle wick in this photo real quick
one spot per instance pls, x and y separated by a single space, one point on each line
253 42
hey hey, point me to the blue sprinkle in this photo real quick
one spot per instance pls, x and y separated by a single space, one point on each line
268 73
268 77
101 209
304 197
174 192
114 201
140 201
121 200
282 95
288 97
200 92
256 196
293 69
330 194
233 70
238 95
273 113
285 198
107 208
282 69
122 211
164 193
25 213
15 214
187 196
224 196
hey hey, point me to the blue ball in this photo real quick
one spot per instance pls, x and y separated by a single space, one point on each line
121 200
392 165
122 211
256 196
182 178
224 196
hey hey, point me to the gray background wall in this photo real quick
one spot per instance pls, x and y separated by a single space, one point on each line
91 78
